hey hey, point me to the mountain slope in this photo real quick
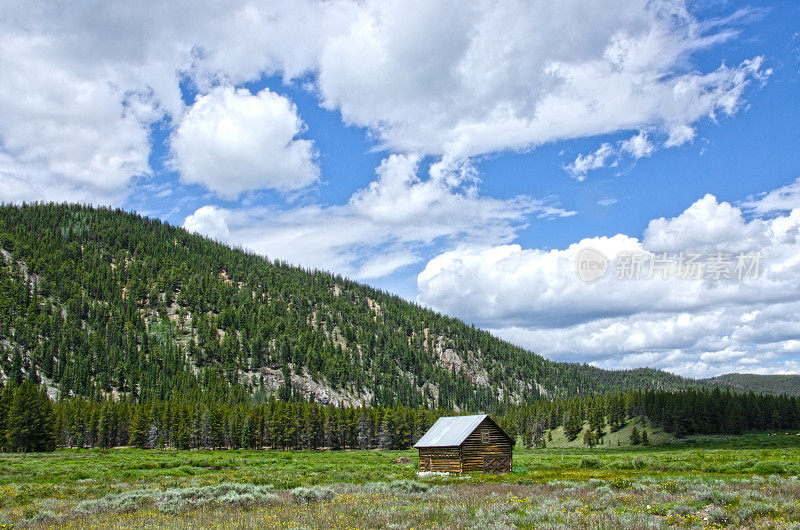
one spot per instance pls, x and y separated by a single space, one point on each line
99 300
770 384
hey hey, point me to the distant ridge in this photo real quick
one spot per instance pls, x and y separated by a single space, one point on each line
767 384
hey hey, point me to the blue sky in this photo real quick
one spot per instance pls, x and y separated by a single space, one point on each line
458 156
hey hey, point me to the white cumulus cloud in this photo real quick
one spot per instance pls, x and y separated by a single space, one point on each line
448 77
232 141
209 221
638 146
585 163
82 84
65 134
383 226
695 327
706 226
783 199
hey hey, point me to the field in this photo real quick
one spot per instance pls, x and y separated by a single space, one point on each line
749 481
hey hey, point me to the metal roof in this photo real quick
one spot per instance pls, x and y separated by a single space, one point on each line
450 431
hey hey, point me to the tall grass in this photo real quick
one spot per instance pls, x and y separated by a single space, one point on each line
609 487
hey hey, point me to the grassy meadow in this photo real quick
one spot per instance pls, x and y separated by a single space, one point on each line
750 481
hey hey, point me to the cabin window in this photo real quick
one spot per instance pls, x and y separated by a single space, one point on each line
484 436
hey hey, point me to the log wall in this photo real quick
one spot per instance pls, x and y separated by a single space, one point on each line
440 459
473 449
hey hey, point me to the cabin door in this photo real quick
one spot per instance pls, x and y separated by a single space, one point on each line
496 463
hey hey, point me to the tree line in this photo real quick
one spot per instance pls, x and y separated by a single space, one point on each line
30 421
685 412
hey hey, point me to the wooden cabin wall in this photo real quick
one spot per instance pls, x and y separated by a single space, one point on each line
442 459
473 449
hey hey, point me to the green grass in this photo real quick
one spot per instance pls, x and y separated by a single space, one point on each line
620 438
657 437
758 475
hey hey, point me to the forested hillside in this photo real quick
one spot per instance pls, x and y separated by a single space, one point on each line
691 411
100 302
773 384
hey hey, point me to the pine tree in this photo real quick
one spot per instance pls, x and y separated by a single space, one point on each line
597 420
181 437
537 435
16 368
20 418
204 429
363 438
140 425
589 438
573 423
285 391
6 397
616 411
30 420
246 442
103 427
45 421
634 438
385 436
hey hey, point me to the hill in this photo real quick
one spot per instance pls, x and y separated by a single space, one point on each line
771 384
100 301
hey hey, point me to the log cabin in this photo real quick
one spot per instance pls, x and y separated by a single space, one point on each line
464 444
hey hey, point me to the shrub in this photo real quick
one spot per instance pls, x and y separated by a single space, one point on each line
681 509
621 483
492 517
177 500
754 511
719 516
769 467
630 463
226 494
397 486
590 463
563 483
603 490
716 497
126 501
44 517
312 494
187 470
